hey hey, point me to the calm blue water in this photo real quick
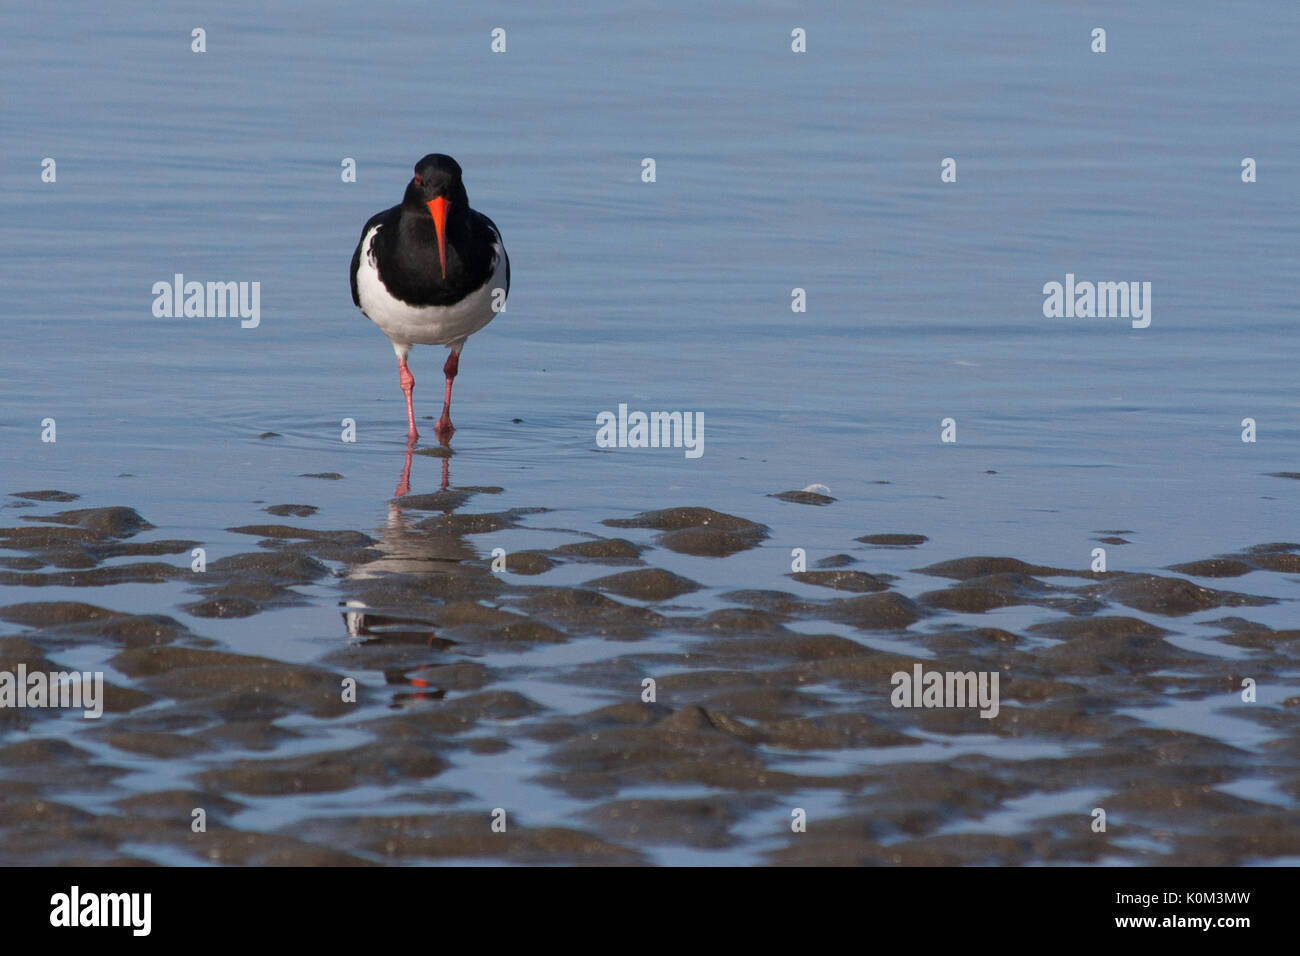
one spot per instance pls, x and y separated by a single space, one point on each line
775 170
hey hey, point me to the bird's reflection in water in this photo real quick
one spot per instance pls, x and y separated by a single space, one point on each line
404 482
419 688
395 593
366 625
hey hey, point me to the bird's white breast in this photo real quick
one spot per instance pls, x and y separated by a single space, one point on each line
407 324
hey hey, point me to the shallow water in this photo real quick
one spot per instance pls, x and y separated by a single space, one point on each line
774 171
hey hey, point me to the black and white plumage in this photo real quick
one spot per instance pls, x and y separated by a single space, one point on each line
430 271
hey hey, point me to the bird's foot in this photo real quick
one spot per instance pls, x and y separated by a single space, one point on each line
444 429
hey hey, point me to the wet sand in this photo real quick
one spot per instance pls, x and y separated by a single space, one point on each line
487 695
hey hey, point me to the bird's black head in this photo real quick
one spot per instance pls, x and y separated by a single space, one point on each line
437 176
437 187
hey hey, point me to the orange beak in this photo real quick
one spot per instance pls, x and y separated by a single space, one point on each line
438 210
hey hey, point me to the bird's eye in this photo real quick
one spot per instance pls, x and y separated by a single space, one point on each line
418 180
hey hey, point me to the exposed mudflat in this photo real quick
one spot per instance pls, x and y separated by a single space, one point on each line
612 709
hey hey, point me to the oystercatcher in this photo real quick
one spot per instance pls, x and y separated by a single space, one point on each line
430 271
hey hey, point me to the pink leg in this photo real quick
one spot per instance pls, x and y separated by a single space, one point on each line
444 427
408 386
